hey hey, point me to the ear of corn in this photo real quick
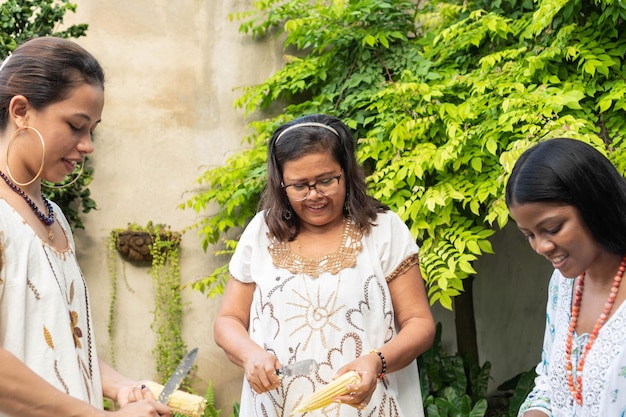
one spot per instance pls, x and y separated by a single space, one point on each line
325 396
181 402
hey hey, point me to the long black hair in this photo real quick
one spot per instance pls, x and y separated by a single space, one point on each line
297 142
571 172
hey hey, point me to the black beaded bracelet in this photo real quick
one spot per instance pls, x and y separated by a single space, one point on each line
384 362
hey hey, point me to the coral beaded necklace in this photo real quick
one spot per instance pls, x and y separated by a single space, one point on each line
577 388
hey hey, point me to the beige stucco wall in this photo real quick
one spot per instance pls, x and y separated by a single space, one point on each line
172 72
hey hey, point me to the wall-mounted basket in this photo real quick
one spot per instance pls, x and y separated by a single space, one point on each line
134 245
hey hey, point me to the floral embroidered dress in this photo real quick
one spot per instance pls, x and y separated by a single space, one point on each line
45 317
333 310
604 373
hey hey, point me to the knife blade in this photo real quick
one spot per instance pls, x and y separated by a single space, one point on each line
304 367
179 374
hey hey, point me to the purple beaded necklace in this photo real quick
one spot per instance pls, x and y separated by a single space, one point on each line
47 220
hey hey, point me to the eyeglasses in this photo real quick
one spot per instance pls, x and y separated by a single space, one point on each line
300 191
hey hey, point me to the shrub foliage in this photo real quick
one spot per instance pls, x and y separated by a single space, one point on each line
443 96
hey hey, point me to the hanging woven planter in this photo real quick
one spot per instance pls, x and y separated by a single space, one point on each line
134 245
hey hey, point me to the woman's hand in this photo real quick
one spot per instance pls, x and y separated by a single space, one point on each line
136 399
260 369
144 408
133 397
131 392
359 395
231 334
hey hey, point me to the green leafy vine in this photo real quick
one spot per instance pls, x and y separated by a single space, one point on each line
168 302
157 245
443 97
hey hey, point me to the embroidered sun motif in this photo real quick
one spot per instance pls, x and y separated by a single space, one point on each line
316 316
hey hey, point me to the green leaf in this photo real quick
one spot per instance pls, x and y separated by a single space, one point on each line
442 100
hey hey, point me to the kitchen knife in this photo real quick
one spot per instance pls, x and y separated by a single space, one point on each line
304 367
179 374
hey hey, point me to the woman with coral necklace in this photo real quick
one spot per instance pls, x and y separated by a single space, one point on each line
570 203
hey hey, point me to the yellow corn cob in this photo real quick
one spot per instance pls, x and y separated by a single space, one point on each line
181 402
326 395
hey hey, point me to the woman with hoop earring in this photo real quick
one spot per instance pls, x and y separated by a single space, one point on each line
51 100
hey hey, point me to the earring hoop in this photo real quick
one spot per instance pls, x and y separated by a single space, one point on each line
43 156
58 187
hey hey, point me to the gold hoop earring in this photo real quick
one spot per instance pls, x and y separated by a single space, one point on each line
43 156
58 187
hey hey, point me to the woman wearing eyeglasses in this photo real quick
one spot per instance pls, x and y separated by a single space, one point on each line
324 272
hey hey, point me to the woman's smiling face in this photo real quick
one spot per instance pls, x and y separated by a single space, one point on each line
67 127
558 233
317 209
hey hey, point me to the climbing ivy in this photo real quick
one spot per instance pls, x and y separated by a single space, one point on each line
443 96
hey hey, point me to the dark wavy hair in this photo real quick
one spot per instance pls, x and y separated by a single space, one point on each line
304 140
570 172
45 70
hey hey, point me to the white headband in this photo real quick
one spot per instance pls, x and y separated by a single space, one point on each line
297 125
5 61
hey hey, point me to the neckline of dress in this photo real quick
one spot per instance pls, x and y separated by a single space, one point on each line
344 256
617 311
65 251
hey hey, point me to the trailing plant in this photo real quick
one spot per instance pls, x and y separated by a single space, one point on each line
168 304
159 247
113 269
21 20
443 96
452 385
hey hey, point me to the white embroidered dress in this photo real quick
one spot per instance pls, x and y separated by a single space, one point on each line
333 318
45 317
604 373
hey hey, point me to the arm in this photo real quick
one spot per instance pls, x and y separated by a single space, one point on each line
414 319
120 388
231 334
535 413
23 393
415 335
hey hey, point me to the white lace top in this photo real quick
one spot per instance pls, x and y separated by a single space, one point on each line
604 373
45 317
333 310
